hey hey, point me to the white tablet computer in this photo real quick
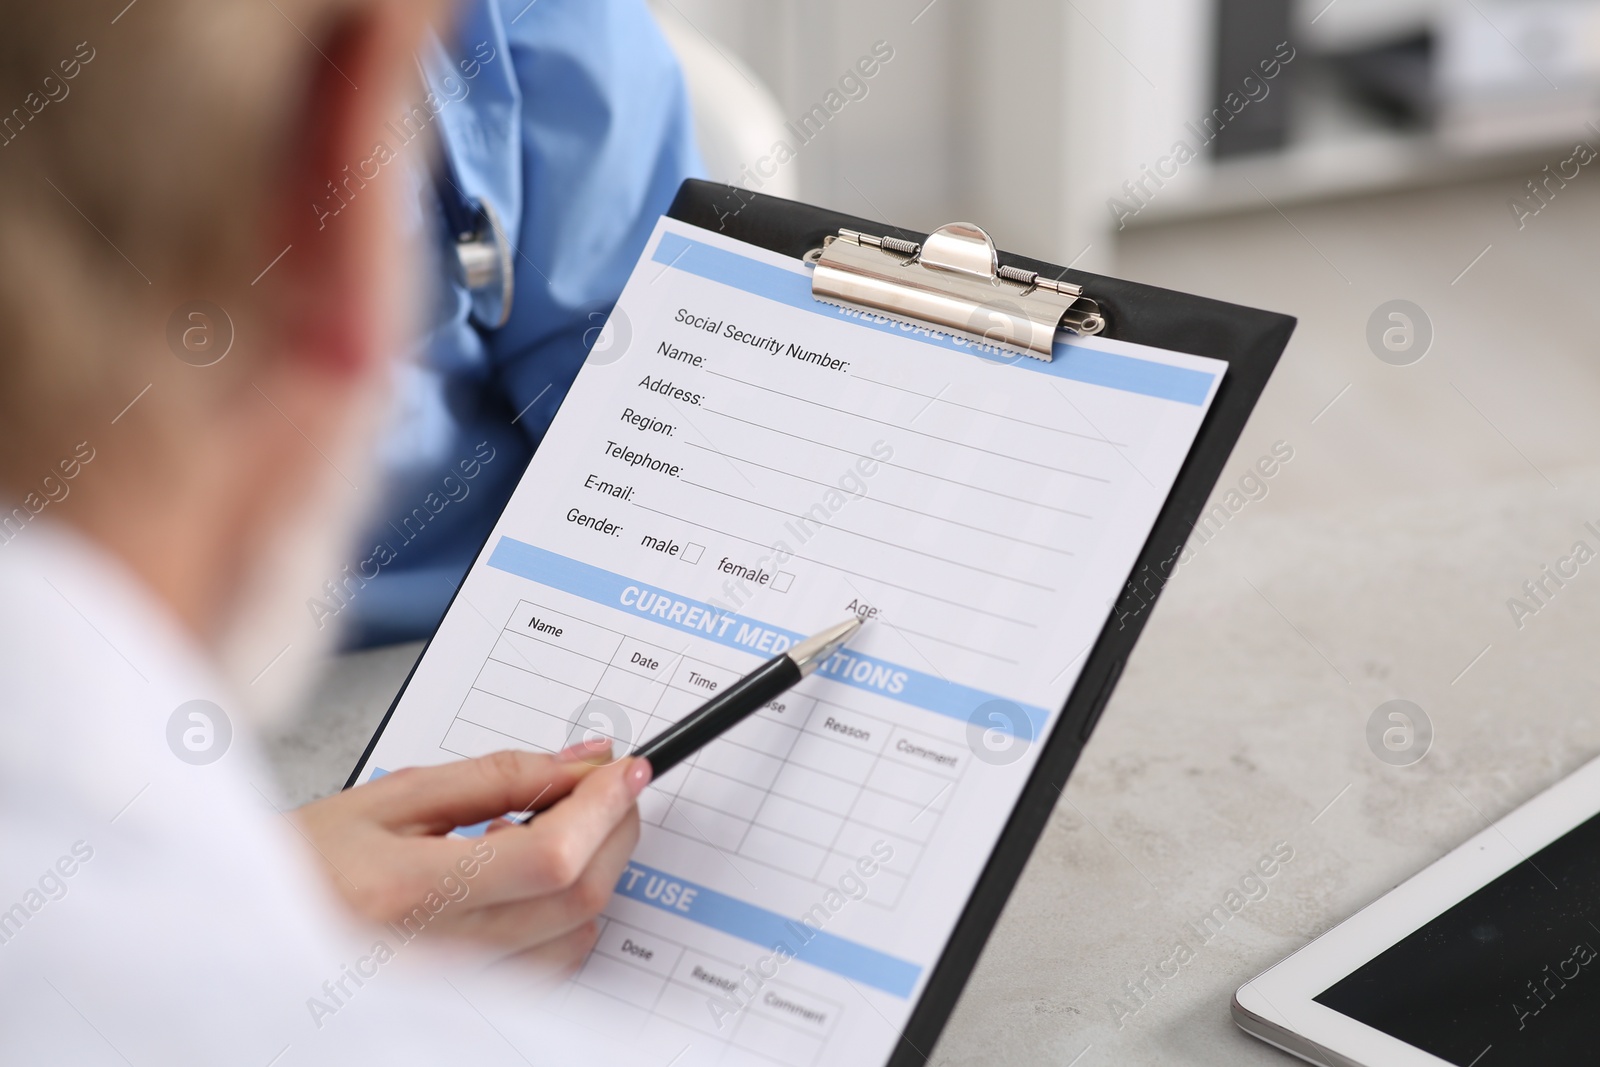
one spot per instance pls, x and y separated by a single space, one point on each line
1489 957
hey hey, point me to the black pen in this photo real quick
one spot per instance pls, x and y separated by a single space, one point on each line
733 705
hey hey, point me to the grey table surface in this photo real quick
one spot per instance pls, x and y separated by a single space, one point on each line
1240 723
1378 566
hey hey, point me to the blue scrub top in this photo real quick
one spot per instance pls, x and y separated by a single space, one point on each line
570 118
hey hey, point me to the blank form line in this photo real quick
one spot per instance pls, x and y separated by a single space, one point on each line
892 544
985 411
843 777
710 444
1118 449
956 644
524 659
902 635
836 567
676 804
924 408
907 429
530 669
490 729
886 463
901 507
896 466
784 796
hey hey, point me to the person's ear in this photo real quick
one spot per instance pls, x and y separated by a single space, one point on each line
331 209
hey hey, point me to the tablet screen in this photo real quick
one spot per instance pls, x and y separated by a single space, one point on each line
1510 975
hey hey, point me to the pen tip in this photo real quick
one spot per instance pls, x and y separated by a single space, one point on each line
811 653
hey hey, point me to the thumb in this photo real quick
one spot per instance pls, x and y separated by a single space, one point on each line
437 799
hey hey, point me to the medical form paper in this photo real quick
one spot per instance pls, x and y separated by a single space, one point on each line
737 466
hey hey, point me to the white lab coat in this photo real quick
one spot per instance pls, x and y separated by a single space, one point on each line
156 912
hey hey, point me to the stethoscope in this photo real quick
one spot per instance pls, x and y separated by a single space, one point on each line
483 259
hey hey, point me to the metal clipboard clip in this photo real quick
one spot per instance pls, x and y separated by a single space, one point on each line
953 281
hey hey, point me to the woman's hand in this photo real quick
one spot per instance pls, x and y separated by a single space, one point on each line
530 891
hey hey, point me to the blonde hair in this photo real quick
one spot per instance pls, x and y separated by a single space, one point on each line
136 153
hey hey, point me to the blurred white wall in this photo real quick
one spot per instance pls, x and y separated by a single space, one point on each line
737 118
970 118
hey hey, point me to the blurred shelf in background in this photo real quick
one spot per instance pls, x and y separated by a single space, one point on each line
1391 95
1055 125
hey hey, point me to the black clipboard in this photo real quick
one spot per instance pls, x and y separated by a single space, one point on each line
1248 339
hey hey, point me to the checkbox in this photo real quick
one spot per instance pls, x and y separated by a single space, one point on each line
691 552
782 581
